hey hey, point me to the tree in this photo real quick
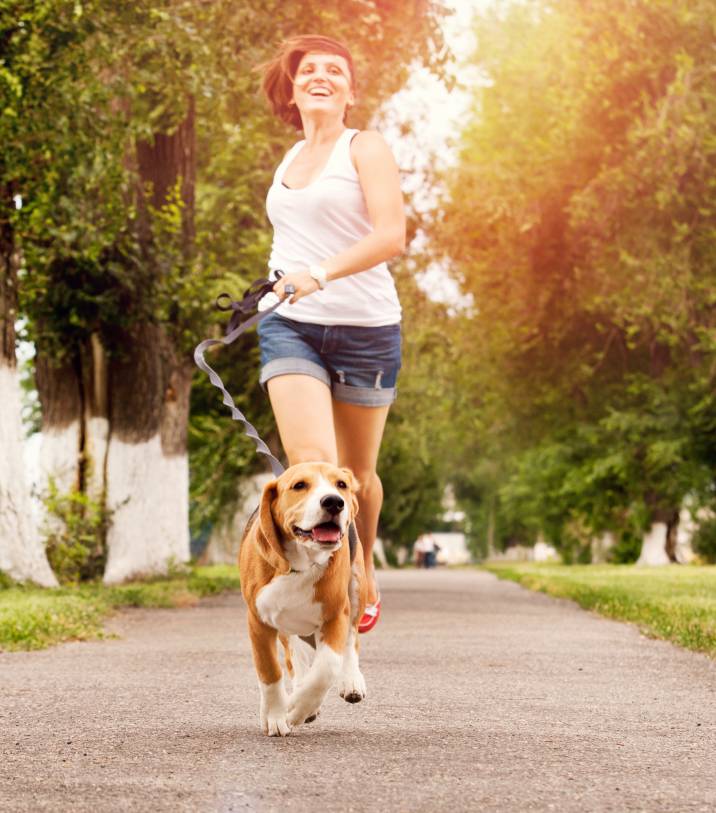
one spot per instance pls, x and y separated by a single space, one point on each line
21 554
30 100
147 203
579 218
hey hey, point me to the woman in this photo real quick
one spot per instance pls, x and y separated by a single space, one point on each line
330 354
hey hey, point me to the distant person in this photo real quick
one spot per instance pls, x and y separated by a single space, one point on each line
425 548
331 353
418 553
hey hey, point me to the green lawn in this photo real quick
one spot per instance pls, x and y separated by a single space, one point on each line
676 603
35 618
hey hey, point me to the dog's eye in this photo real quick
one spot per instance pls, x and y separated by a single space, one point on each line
299 486
341 484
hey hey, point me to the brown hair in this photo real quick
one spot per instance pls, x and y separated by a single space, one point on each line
279 72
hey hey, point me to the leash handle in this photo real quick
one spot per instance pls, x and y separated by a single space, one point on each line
238 325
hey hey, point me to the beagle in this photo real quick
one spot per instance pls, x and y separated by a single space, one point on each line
298 581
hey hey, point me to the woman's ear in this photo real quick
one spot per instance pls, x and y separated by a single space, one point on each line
268 535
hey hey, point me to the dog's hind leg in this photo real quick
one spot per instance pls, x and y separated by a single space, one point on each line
286 653
325 669
302 654
301 659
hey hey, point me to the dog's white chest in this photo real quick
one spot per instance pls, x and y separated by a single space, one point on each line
287 604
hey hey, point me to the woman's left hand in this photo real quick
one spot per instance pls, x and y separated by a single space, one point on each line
302 281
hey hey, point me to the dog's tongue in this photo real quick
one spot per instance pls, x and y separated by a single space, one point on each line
327 532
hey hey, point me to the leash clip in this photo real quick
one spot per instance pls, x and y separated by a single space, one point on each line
243 308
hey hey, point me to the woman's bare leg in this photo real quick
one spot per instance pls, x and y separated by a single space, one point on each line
313 427
358 433
304 415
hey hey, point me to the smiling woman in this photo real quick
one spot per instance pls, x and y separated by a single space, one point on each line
331 352
280 72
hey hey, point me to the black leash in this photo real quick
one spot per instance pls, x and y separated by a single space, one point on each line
241 320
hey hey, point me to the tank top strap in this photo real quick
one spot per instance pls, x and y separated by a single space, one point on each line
341 156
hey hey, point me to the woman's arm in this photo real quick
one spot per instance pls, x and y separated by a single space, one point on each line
380 182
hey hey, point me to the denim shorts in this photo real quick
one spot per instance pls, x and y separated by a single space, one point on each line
358 364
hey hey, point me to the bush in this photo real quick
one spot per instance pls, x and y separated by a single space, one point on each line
75 535
704 540
627 548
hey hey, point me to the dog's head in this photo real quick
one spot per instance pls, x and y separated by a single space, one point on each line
311 504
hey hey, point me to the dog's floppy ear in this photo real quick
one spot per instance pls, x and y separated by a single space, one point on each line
354 486
267 534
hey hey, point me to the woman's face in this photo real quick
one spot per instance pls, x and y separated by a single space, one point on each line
323 85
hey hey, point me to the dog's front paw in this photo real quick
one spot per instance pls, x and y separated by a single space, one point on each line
277 725
352 688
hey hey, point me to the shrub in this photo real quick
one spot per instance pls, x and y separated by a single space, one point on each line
704 540
75 535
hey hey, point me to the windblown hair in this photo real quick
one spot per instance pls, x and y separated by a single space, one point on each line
279 72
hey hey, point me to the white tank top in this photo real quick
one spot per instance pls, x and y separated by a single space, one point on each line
318 221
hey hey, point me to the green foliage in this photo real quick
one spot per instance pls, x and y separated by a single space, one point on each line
220 454
415 458
580 218
674 603
627 548
35 618
101 255
704 542
75 533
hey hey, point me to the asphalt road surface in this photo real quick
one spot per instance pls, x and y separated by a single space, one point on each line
482 697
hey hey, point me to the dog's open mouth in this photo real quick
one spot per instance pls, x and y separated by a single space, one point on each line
327 533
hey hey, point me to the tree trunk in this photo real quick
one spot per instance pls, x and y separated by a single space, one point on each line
659 543
21 552
115 418
672 531
223 544
59 389
147 464
150 383
600 547
683 535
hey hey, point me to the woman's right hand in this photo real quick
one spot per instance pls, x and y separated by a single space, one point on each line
302 281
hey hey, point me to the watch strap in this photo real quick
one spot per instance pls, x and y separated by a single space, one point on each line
319 274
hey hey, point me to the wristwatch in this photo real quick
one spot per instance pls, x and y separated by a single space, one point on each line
318 272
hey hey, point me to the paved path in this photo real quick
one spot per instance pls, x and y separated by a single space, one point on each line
482 697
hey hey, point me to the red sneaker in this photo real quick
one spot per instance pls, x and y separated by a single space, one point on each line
370 617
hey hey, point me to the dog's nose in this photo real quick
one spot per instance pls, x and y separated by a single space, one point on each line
332 503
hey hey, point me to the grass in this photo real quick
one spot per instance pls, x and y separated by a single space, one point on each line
35 618
675 603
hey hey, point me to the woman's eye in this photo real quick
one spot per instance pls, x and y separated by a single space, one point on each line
341 484
299 486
